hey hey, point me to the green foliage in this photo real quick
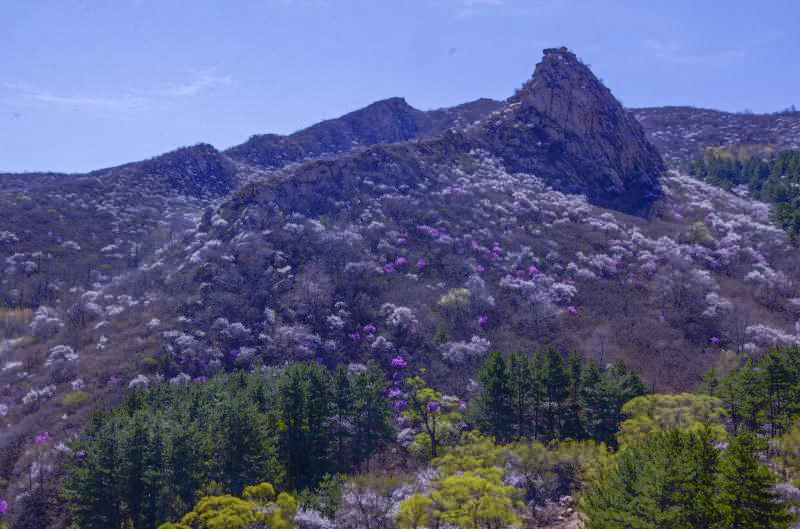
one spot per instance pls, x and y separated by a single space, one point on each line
745 497
75 400
662 412
258 507
774 179
664 481
475 501
764 395
147 460
437 417
545 398
679 479
414 512
467 492
495 414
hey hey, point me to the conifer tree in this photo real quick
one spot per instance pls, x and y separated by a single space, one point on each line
745 499
571 422
556 383
522 386
494 408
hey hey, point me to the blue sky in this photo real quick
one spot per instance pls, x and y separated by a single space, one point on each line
89 84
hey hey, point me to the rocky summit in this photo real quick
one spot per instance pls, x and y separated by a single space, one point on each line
563 126
568 128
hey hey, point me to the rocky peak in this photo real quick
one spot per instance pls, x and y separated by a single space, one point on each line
566 126
199 170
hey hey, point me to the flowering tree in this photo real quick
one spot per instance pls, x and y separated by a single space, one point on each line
437 416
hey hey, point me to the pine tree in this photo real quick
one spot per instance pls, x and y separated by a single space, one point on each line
556 383
663 482
494 400
371 412
745 499
593 403
522 387
571 422
343 418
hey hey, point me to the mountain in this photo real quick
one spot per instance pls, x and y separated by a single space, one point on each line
565 126
682 133
387 121
548 219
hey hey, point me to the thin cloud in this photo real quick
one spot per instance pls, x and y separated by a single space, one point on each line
201 81
130 100
120 103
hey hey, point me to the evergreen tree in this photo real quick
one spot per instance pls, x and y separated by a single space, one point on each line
522 386
571 422
342 418
594 403
371 413
556 384
745 499
663 482
494 407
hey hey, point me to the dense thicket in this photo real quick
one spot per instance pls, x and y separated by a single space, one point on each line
544 397
150 459
762 396
774 179
678 479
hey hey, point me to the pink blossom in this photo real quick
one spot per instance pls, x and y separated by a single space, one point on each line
400 261
462 404
433 405
479 268
112 381
369 329
388 268
401 241
42 437
532 270
398 362
355 336
80 454
421 263
483 320
715 340
572 310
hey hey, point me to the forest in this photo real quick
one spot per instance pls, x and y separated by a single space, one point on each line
362 447
769 177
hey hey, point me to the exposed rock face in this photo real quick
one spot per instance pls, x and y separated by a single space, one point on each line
388 121
200 170
565 126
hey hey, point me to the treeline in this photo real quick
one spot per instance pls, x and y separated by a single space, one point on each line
775 180
763 395
544 397
150 459
680 479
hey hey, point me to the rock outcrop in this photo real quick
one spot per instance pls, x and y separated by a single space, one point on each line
564 125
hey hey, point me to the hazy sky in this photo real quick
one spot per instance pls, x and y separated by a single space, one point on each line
88 84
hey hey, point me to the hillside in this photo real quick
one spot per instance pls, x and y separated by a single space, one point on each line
389 237
682 133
